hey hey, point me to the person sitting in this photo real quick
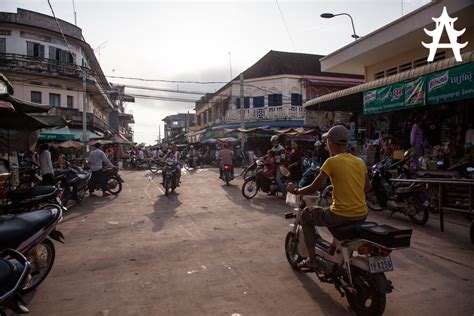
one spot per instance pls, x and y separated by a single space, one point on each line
174 155
225 156
348 175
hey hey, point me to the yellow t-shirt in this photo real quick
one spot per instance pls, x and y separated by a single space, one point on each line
347 175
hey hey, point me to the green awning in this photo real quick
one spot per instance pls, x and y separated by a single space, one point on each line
56 134
78 133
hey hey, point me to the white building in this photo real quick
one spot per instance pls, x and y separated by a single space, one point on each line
43 68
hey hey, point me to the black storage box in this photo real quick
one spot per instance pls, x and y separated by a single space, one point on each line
387 236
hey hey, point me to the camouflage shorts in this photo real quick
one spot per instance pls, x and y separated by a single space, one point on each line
322 216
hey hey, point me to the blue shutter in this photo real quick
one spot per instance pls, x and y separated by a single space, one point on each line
246 102
258 102
279 99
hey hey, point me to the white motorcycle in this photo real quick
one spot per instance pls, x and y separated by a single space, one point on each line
356 260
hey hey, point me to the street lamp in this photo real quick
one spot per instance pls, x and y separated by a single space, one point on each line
331 15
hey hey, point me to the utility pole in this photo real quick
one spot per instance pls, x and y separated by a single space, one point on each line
85 136
242 113
75 15
159 133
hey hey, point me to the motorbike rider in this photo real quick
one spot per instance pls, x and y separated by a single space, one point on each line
192 153
96 158
174 155
225 156
279 153
320 154
348 175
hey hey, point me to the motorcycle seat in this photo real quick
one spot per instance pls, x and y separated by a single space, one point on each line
58 173
39 190
350 231
83 176
16 229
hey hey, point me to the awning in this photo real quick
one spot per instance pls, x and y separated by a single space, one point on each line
78 133
58 134
406 75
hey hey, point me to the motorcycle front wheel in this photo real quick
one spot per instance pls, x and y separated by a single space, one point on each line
249 189
291 250
42 260
368 300
114 185
154 167
421 215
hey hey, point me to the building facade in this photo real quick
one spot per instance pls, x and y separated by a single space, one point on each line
275 88
44 68
177 125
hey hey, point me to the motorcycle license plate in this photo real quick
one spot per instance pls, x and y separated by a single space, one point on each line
380 264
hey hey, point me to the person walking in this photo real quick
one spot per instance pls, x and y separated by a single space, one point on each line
96 158
416 141
46 165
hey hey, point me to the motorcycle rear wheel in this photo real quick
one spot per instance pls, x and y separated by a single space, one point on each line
154 167
39 269
114 185
291 251
249 189
368 301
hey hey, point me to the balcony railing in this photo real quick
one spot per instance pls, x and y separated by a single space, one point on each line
266 113
50 67
75 116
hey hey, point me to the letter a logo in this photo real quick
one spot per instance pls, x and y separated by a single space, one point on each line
445 21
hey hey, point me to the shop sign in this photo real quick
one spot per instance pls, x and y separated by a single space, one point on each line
450 85
415 92
388 98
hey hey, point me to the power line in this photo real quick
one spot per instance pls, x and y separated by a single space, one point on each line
165 90
286 26
168 81
59 27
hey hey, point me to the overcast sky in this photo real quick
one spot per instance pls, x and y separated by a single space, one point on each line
191 40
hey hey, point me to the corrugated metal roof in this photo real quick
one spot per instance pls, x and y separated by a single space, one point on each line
406 75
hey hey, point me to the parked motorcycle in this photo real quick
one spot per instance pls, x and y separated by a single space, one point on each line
259 182
404 198
73 181
355 261
170 176
114 181
28 234
14 275
227 174
25 200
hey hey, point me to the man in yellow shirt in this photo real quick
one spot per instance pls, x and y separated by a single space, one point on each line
348 175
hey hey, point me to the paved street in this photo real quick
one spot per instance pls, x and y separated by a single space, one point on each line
207 251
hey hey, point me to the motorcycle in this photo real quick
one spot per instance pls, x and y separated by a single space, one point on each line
227 174
260 182
156 164
28 234
73 181
192 162
396 197
170 176
114 181
25 200
355 261
134 163
311 172
14 274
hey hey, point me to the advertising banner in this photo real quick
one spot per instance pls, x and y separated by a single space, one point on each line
450 85
388 98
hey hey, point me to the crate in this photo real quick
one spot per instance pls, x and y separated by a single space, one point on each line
398 154
387 236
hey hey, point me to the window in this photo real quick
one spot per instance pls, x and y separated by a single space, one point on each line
391 71
275 99
2 46
175 123
258 102
61 56
70 101
54 99
246 102
420 62
404 67
296 99
36 97
379 75
34 50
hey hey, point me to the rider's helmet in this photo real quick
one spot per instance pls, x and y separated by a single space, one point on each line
191 147
275 138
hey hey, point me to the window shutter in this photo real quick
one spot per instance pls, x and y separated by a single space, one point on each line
41 51
52 52
30 49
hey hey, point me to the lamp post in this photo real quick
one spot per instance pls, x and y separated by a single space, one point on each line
331 15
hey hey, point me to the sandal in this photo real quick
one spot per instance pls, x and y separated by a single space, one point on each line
305 266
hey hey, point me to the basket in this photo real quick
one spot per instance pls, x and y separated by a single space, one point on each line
293 200
398 154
